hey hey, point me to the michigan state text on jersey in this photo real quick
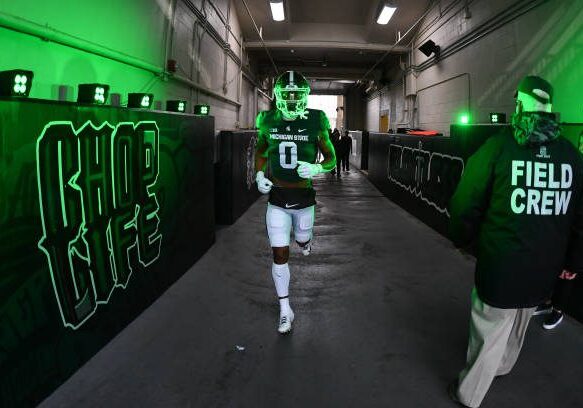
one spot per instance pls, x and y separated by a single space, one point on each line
289 142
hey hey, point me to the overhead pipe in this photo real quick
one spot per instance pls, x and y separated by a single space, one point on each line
204 89
222 18
216 37
504 17
47 33
395 44
50 34
169 33
225 53
239 90
260 36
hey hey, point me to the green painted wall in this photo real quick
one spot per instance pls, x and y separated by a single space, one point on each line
138 29
133 27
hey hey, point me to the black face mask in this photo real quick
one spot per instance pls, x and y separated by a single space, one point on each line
534 128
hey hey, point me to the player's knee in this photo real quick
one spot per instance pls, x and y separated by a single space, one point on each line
280 255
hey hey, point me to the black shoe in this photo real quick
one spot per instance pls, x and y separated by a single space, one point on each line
553 320
543 309
452 392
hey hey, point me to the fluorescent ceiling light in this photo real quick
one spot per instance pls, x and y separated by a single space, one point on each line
277 10
386 14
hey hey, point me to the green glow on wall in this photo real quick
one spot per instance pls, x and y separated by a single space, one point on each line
464 119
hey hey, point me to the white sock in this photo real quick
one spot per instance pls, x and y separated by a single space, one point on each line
280 275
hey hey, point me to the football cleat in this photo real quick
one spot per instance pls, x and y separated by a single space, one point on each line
553 320
543 309
306 249
285 322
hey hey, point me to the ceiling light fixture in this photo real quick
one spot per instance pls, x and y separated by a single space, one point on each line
277 10
386 14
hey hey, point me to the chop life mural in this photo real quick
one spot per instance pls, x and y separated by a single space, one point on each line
101 210
98 211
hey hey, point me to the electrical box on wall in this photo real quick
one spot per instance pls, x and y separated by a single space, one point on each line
410 84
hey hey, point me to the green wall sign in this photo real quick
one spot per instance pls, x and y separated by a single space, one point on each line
101 209
95 192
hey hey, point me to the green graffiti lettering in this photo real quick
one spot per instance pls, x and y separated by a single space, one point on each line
98 208
61 206
124 227
150 240
95 170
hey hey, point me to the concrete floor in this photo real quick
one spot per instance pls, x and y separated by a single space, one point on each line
382 308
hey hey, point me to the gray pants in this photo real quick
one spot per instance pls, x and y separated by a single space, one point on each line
496 337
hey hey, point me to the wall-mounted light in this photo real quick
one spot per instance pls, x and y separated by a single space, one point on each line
176 106
497 117
140 100
202 109
386 13
277 11
429 47
464 118
94 94
16 82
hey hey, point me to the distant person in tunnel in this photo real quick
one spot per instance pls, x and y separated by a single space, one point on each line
335 138
288 141
520 200
345 150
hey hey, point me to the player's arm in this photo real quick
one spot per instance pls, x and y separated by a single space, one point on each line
327 149
263 183
309 170
261 151
261 146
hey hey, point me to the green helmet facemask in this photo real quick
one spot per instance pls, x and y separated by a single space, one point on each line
291 95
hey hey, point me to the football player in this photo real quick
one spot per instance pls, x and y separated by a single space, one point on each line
285 160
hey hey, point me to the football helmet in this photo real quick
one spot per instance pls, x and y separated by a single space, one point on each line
291 94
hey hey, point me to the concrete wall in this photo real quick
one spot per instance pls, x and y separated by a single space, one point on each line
481 78
355 109
373 114
149 31
389 101
484 54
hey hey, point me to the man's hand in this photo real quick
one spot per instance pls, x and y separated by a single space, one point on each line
307 170
567 275
263 184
